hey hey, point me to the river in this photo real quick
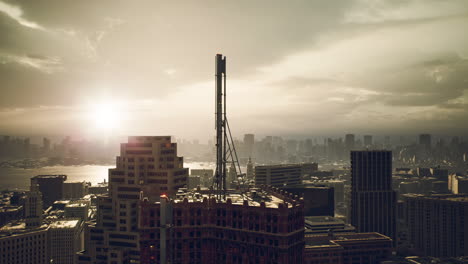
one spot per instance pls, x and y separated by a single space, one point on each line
16 178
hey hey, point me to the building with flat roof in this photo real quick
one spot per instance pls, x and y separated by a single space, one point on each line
347 248
436 224
65 239
279 175
23 245
373 202
51 187
322 225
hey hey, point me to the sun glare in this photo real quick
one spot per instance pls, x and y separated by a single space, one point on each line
105 115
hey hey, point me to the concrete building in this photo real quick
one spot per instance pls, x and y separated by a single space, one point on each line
349 142
437 224
249 142
51 187
74 190
367 140
373 202
20 244
147 165
65 239
33 207
193 182
278 175
77 210
265 226
347 248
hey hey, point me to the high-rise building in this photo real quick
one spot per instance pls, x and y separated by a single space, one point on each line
373 202
51 187
147 165
249 141
264 226
349 141
33 207
250 169
367 140
278 175
136 226
65 240
425 140
436 224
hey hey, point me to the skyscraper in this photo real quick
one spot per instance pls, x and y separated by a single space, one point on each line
147 165
367 140
51 187
425 140
349 141
373 202
249 141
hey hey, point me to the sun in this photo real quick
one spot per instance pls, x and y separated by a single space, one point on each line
105 115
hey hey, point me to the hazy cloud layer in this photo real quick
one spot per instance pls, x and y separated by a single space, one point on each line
294 67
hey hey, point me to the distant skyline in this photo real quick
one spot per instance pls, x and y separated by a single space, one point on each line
295 68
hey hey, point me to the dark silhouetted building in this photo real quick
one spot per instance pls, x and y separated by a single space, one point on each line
373 202
51 187
437 224
318 200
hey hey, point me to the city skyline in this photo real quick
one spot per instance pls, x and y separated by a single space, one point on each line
316 68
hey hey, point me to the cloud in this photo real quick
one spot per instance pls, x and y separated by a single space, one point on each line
17 14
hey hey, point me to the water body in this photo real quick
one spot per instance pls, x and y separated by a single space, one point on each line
16 178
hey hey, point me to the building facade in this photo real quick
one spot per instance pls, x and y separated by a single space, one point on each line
373 202
278 175
436 224
51 187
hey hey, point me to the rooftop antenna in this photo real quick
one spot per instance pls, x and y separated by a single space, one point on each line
225 149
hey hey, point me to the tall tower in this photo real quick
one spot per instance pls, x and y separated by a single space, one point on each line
373 202
250 169
33 207
225 149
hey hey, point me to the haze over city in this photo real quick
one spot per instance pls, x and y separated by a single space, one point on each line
94 68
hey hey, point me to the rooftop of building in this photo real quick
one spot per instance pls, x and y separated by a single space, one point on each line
65 223
267 196
281 165
58 176
19 227
313 240
441 197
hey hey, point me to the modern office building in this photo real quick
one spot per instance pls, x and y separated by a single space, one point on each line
347 248
322 225
64 239
373 202
278 175
436 224
51 187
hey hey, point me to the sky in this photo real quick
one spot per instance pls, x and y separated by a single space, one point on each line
294 68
